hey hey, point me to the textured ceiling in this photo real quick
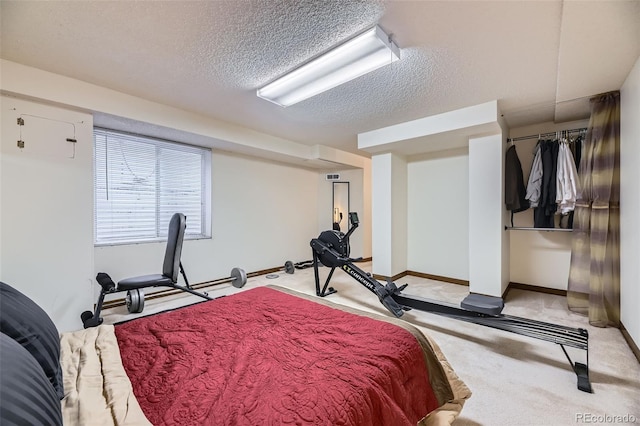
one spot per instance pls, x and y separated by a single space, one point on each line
540 59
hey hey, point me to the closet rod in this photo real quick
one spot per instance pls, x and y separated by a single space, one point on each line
526 228
547 135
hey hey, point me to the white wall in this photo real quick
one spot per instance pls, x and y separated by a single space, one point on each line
438 213
539 258
46 208
630 203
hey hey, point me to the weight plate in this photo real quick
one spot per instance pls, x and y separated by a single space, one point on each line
289 268
140 300
238 277
271 276
135 301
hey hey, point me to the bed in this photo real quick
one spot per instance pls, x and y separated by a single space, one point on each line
266 355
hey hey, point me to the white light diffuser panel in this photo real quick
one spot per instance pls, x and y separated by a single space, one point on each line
360 55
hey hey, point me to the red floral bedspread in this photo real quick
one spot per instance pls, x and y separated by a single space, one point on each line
264 357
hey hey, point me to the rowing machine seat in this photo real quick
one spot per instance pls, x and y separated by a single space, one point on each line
488 305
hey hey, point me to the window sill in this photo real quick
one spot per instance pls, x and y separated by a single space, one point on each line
147 241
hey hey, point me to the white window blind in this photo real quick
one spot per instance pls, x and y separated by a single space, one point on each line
140 182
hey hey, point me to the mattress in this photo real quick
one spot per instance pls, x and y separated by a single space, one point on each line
262 356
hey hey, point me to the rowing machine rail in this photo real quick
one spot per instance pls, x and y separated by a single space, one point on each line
555 333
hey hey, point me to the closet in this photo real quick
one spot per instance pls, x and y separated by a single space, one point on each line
540 256
552 186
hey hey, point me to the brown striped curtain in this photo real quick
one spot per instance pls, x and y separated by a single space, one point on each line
594 274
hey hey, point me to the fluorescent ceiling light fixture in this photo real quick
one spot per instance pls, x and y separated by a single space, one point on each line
360 55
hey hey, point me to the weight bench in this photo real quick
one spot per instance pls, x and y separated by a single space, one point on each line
168 278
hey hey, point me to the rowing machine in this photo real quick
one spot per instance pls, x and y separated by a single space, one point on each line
331 249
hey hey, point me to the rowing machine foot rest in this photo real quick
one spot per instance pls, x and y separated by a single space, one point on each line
488 305
582 371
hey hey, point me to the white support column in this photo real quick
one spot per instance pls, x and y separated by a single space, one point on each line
487 242
389 214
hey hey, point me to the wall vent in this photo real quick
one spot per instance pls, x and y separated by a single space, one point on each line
333 176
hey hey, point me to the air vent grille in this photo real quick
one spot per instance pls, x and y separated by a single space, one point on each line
333 176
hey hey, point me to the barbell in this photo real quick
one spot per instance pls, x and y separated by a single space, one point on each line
135 297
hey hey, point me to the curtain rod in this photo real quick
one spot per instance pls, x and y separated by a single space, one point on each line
547 135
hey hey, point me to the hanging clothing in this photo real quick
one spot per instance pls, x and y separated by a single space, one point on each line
550 202
576 149
514 190
566 179
534 185
544 213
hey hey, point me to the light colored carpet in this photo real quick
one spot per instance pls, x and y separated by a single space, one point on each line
515 380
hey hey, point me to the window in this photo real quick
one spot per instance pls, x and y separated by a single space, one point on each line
140 182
